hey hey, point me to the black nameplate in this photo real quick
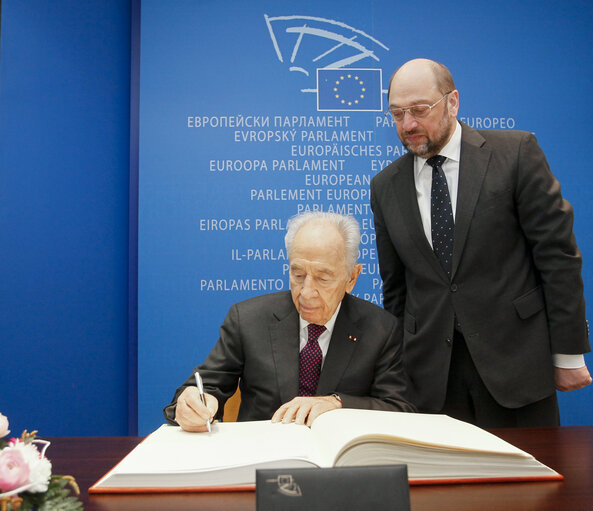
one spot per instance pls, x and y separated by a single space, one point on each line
377 488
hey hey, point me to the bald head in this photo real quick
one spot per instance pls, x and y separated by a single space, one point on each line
424 71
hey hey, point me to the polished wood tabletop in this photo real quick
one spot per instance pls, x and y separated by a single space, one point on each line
568 450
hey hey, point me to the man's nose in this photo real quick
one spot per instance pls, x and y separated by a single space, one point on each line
309 289
409 121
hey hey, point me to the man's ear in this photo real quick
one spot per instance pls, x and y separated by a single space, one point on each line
353 277
453 103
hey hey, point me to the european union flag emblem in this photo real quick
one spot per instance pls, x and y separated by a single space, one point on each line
349 89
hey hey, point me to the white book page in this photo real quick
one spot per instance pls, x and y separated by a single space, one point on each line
338 427
171 450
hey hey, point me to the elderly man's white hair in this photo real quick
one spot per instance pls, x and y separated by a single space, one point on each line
347 226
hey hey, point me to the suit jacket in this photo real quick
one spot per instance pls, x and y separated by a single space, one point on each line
515 292
259 349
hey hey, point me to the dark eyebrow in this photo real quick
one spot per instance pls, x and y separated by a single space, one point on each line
419 102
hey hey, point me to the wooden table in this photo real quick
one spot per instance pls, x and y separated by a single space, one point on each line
569 450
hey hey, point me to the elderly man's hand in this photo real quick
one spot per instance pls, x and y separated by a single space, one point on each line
304 410
191 414
571 379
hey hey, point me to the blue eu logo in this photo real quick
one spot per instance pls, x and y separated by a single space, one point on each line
349 89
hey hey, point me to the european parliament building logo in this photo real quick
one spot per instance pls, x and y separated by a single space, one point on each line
323 49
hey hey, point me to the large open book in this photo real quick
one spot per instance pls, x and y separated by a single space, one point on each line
436 449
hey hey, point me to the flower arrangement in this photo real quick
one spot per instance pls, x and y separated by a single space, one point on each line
26 482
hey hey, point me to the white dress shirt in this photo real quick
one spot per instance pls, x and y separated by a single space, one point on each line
423 178
324 338
423 182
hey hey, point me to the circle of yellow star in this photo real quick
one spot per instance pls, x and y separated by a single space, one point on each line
339 82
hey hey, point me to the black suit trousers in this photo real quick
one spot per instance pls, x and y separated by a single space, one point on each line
469 400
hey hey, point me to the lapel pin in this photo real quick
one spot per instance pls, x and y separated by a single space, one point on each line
352 338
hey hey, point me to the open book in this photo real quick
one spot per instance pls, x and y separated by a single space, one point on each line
436 449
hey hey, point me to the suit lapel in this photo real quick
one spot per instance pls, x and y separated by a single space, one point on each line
284 337
343 342
405 191
472 169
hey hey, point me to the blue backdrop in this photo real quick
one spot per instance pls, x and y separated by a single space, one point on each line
64 171
64 174
242 126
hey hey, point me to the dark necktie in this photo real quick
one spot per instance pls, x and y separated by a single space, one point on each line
441 214
310 362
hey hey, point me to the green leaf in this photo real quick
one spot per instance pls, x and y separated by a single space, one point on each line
56 498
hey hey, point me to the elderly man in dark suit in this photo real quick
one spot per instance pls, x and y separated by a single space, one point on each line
301 353
478 260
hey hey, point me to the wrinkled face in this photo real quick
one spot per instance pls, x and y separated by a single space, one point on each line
319 276
424 137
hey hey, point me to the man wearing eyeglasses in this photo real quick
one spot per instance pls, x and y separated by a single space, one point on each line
479 261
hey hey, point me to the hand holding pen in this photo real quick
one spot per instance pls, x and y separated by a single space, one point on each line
200 386
195 408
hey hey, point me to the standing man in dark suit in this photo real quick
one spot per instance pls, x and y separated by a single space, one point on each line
494 316
265 346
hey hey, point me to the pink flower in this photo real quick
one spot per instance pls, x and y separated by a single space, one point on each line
14 471
3 426
39 466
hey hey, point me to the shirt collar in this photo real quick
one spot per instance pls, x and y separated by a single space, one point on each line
452 150
329 326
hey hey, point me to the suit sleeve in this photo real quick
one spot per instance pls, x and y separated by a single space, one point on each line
221 371
390 265
547 222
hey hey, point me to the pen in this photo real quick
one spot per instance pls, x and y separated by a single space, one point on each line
202 397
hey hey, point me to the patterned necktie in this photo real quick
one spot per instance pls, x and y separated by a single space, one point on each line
310 362
441 214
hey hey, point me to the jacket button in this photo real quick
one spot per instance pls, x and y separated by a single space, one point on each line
448 341
453 288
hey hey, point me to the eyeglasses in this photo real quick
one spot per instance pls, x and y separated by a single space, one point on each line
416 111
